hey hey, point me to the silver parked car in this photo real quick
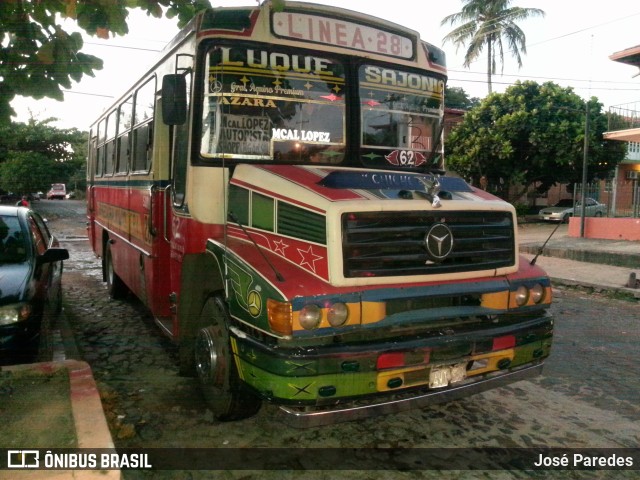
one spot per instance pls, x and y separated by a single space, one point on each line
562 210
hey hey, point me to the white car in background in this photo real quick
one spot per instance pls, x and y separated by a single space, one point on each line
562 210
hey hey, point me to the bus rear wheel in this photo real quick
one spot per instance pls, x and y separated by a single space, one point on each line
115 286
216 369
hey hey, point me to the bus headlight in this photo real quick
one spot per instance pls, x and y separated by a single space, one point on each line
522 295
537 293
338 314
310 316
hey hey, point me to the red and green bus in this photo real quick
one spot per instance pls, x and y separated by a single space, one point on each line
273 190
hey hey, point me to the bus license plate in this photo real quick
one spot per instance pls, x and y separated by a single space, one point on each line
443 376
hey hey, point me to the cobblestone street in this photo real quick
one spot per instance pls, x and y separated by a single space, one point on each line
587 397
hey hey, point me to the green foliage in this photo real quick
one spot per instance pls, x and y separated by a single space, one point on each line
38 58
485 24
34 155
531 134
456 97
27 172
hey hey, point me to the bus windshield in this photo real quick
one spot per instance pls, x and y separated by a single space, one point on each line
270 104
401 112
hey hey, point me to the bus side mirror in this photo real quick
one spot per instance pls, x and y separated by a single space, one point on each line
174 99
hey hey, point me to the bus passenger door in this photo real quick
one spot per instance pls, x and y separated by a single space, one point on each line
91 172
178 214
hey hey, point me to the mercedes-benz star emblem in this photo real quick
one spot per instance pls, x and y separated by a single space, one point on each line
439 241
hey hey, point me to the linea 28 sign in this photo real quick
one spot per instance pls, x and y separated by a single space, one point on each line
342 33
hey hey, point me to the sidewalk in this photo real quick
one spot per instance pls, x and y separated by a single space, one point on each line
601 265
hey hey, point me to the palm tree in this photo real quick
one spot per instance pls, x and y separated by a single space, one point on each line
488 23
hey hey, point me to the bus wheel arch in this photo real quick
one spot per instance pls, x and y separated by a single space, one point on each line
201 279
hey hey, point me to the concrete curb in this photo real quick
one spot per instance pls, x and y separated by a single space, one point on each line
621 292
91 426
604 257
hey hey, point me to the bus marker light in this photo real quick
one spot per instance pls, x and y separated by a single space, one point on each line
280 316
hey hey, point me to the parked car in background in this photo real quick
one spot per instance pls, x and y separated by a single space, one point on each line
9 198
561 211
58 190
30 285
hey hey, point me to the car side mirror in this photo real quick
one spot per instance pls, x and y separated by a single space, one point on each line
53 255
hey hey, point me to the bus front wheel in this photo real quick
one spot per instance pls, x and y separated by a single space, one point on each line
216 369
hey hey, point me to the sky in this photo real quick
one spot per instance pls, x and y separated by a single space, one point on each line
570 46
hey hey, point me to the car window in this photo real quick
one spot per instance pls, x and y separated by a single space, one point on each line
13 243
43 229
39 241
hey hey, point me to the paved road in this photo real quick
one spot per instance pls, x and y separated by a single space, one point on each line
587 397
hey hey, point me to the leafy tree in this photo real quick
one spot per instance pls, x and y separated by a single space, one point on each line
456 97
35 154
38 58
532 134
485 23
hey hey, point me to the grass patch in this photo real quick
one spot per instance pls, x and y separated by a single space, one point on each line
36 409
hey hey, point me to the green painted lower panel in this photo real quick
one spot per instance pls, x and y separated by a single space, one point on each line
306 389
531 351
316 388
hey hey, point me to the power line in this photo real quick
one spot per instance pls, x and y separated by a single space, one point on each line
122 46
573 86
584 29
88 94
544 78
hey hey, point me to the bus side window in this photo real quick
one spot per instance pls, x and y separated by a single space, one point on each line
99 167
143 126
143 143
110 147
125 118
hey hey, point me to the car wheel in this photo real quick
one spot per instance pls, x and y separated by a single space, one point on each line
115 286
215 366
598 214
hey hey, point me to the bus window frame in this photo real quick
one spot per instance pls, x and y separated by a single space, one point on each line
359 113
111 116
100 148
118 170
147 123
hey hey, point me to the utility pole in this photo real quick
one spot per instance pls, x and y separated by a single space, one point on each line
585 156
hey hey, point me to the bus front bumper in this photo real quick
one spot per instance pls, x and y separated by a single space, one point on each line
306 417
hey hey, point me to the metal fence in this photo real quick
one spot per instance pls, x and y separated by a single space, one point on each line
622 117
622 199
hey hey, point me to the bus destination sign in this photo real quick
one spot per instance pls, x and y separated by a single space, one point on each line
341 33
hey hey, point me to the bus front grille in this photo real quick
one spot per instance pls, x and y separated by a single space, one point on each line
382 244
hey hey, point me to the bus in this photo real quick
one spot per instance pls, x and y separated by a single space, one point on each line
273 189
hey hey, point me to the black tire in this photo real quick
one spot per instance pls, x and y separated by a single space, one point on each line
115 286
215 366
598 214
